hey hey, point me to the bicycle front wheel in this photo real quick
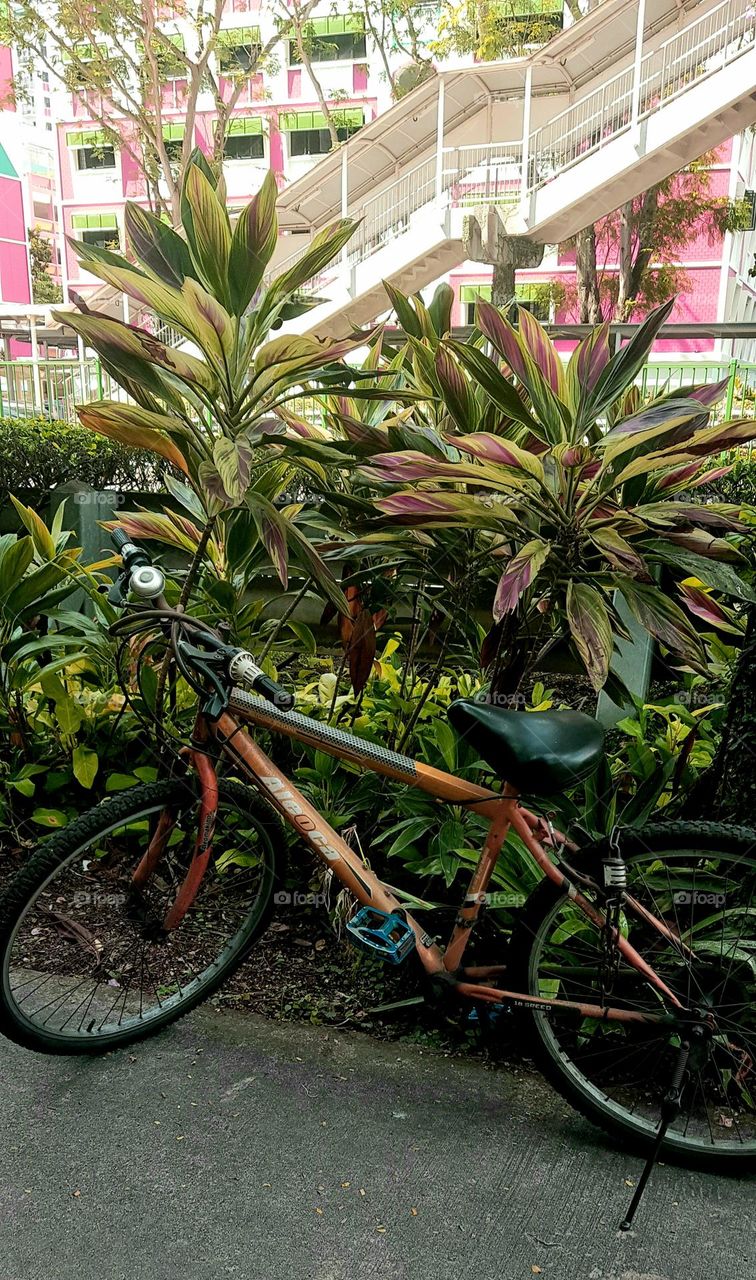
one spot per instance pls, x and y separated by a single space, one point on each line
700 879
85 963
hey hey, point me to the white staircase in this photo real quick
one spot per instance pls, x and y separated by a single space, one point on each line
564 157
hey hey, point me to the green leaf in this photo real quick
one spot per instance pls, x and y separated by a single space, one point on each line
69 715
305 637
323 249
519 575
233 460
304 552
53 818
591 631
623 367
208 232
447 743
274 532
714 573
14 561
85 765
664 620
457 394
499 390
161 249
120 781
134 354
132 425
253 244
35 525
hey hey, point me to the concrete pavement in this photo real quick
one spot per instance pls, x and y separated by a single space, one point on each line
235 1147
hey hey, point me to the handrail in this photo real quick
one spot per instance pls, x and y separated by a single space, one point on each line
57 393
678 63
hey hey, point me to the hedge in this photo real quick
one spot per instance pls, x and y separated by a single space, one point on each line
36 453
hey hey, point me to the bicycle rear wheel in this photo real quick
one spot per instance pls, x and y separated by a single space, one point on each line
85 964
701 880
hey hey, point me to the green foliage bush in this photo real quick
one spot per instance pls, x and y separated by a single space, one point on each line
739 485
37 453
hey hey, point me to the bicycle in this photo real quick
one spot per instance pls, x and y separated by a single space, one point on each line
631 966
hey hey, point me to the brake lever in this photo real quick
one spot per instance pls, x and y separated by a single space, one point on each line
116 594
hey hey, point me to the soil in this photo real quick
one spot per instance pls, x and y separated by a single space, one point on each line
301 970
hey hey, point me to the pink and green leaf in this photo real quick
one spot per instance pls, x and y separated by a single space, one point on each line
253 244
701 604
519 575
591 630
664 620
134 426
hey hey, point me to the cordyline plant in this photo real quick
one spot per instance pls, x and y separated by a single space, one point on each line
213 415
580 495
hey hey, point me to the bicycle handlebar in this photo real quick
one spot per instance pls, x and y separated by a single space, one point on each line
147 581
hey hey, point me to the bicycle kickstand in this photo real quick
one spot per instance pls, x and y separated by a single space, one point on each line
670 1109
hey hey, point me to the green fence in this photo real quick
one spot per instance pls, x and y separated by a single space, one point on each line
53 387
740 400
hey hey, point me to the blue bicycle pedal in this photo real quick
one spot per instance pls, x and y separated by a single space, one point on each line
382 934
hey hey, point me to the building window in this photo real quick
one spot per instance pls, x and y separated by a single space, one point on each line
95 157
337 39
98 229
245 140
308 130
535 298
91 149
239 50
42 210
173 137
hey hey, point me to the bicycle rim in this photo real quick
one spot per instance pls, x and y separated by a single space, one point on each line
618 1072
87 964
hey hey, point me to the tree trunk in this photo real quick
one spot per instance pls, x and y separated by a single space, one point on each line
503 283
589 297
734 769
624 284
637 236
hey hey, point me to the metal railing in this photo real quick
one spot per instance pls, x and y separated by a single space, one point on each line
740 399
702 47
52 388
489 173
55 387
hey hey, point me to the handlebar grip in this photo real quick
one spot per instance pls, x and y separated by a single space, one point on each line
120 538
274 692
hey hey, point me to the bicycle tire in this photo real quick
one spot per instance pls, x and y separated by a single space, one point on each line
111 814
730 842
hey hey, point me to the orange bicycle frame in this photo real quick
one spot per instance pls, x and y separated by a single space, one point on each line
503 809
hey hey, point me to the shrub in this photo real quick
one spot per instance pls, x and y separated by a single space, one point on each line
36 453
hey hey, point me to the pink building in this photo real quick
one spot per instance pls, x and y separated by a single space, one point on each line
277 124
15 280
715 285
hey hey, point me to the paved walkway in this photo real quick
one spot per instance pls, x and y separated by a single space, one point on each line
237 1147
